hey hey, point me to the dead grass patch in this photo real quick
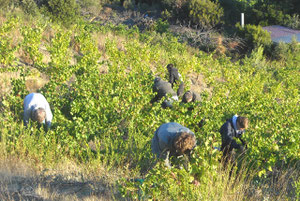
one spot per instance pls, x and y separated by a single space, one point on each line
5 85
68 181
198 84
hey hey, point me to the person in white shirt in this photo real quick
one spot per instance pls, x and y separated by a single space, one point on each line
37 109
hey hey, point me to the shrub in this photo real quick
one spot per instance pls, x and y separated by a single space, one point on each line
292 21
177 9
287 51
280 51
255 36
267 15
62 11
92 7
29 7
297 188
4 4
161 26
205 13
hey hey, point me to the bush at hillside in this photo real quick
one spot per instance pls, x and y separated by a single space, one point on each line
62 11
29 7
264 14
176 9
205 13
255 36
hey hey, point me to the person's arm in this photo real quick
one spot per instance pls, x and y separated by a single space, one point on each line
171 78
26 117
155 99
27 112
49 115
235 145
243 142
180 90
165 156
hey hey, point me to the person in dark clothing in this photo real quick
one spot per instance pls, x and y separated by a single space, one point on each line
174 77
190 96
233 128
163 88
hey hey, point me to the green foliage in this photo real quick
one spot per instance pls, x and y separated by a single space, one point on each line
255 36
7 48
60 56
5 4
292 21
261 12
65 11
31 43
161 26
30 7
107 101
297 186
175 9
287 51
267 14
205 13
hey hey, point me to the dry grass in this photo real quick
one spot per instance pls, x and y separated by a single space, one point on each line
198 83
68 181
101 38
5 85
33 82
277 186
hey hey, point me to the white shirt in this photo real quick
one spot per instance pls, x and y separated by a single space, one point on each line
34 101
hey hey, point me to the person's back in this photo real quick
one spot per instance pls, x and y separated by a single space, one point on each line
163 88
172 139
174 77
37 108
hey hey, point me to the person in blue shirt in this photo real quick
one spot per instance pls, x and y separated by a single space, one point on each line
172 139
233 129
37 109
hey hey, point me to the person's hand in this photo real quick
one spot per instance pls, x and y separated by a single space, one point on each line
240 133
201 123
242 149
196 182
173 175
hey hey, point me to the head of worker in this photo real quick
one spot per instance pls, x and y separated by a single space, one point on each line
169 67
38 115
187 97
184 143
242 123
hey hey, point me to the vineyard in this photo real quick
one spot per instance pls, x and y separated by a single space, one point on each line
98 80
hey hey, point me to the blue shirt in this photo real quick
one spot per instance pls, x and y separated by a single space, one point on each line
162 142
